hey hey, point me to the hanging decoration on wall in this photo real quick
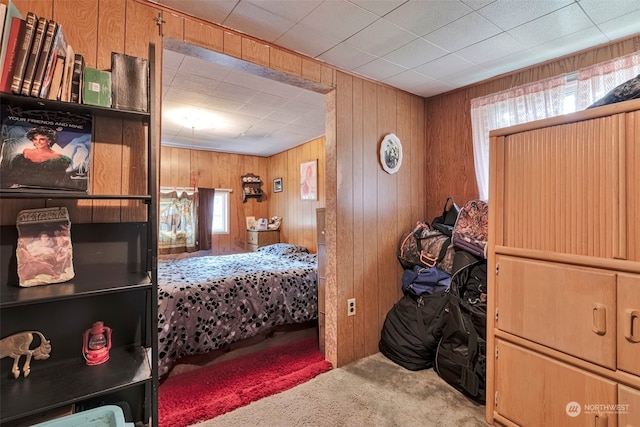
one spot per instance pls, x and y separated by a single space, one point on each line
391 153
309 180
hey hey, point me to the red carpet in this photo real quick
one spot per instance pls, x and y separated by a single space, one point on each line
204 393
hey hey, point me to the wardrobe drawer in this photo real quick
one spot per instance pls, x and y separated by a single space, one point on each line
629 409
533 390
571 309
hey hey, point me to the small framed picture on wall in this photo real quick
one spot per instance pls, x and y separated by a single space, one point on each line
277 185
309 180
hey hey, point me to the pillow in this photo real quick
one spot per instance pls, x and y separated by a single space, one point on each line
282 249
623 92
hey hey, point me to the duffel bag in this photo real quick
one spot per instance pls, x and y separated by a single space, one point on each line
425 246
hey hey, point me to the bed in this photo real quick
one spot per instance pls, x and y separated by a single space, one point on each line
206 303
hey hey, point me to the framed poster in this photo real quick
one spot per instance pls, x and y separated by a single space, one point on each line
391 153
277 185
48 150
309 180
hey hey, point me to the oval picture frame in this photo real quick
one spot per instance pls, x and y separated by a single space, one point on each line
391 153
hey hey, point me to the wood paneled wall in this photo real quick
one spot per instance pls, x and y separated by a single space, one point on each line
224 170
450 167
367 209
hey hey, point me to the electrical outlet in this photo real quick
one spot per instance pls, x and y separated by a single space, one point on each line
351 307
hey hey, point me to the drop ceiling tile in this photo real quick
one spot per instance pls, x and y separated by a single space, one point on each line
195 84
268 100
380 38
622 27
306 40
171 60
415 53
291 10
477 4
338 19
313 99
602 11
379 7
424 17
490 49
568 44
234 92
263 24
466 31
553 26
407 80
379 69
202 68
442 67
468 76
515 61
508 14
347 56
214 11
431 88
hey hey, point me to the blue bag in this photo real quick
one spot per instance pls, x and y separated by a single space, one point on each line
425 280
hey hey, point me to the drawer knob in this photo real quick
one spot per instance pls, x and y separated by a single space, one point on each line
599 314
632 325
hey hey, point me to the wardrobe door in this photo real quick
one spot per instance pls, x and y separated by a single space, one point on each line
570 309
629 323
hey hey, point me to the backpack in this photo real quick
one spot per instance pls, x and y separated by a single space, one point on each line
447 220
425 247
471 229
406 337
461 352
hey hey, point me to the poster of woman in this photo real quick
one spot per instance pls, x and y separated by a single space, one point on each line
44 149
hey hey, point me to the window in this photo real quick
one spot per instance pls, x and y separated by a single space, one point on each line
220 212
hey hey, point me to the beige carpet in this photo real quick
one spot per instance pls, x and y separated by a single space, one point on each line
372 392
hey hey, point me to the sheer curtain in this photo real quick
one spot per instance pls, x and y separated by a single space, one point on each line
540 100
596 81
523 104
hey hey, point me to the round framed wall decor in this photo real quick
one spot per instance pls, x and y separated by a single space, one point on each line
391 153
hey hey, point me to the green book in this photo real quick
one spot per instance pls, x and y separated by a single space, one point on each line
97 87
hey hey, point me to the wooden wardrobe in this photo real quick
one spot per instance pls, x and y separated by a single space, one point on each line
563 334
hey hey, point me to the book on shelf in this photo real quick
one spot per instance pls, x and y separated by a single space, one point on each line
34 56
23 51
11 12
3 15
67 75
97 87
45 149
58 51
44 252
18 26
56 79
43 60
129 82
76 78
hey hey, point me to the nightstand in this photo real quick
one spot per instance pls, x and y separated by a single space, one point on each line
256 239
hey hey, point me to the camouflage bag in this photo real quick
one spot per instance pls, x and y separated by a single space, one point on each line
426 247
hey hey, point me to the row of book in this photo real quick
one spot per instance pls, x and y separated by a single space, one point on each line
36 60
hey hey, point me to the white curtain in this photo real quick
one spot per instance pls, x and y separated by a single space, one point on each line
538 101
523 104
596 81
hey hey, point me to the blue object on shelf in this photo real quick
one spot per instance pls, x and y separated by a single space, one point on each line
102 416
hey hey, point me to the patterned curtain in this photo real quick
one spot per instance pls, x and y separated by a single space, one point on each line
205 217
178 222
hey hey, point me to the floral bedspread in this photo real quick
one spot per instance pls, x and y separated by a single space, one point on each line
205 303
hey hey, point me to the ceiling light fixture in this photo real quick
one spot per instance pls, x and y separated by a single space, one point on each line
195 119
